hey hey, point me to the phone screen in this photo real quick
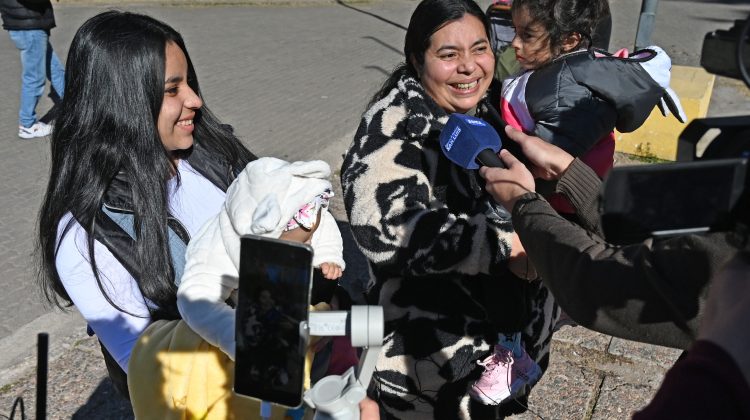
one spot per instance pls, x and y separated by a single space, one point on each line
274 298
670 198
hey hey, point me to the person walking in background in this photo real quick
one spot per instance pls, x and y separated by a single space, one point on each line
28 23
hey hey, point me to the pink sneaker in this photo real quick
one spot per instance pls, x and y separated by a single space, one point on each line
503 377
525 373
494 385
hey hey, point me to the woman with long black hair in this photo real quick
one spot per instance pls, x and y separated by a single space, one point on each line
139 163
467 328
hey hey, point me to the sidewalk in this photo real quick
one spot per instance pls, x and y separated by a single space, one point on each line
591 376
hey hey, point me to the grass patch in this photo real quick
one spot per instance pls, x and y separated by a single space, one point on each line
647 158
640 158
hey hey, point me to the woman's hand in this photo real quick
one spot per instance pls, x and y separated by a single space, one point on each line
507 185
548 161
331 271
369 410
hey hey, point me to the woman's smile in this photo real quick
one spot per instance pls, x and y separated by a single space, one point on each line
186 124
466 88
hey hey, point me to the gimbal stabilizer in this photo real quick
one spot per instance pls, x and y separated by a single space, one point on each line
337 397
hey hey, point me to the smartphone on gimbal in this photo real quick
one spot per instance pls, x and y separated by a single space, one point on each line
273 301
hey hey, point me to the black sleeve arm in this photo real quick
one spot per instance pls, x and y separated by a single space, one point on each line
580 185
650 292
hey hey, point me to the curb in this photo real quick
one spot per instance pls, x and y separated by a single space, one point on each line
658 136
18 350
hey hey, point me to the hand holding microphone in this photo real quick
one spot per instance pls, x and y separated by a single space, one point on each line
470 142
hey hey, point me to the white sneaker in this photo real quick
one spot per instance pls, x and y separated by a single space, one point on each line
39 129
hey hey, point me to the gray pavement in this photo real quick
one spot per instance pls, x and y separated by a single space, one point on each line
293 80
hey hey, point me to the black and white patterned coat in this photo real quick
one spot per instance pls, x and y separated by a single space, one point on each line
437 254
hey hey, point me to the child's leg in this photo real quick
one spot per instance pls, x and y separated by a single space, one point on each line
525 372
512 342
343 355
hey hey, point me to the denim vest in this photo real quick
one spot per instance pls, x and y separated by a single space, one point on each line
177 246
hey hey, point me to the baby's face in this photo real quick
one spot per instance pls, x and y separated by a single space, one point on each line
298 235
301 234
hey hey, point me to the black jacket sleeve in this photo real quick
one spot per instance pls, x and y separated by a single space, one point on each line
651 292
580 185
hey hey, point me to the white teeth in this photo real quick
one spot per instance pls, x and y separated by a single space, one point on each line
185 122
466 86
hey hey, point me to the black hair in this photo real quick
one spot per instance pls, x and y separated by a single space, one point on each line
114 87
561 18
427 18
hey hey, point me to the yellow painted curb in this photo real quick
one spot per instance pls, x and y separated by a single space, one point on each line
657 137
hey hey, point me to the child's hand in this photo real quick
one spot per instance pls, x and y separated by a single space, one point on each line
331 271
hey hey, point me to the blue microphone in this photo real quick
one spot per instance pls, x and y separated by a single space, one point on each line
470 142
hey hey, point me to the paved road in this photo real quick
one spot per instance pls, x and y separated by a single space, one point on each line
293 81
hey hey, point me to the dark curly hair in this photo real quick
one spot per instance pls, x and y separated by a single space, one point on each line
561 18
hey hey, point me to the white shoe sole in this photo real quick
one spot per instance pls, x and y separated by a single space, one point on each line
486 399
32 136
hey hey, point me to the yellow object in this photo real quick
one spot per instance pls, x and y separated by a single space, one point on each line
657 137
173 374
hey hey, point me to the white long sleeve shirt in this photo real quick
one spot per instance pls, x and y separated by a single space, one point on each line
194 202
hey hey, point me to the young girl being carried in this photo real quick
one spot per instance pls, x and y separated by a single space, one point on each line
574 96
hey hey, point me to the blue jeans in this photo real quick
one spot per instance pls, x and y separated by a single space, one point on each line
38 63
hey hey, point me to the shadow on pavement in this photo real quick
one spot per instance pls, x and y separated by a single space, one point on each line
104 402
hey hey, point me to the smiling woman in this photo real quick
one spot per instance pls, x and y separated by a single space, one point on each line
138 165
440 252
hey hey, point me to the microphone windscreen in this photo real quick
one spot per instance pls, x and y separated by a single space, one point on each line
464 137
